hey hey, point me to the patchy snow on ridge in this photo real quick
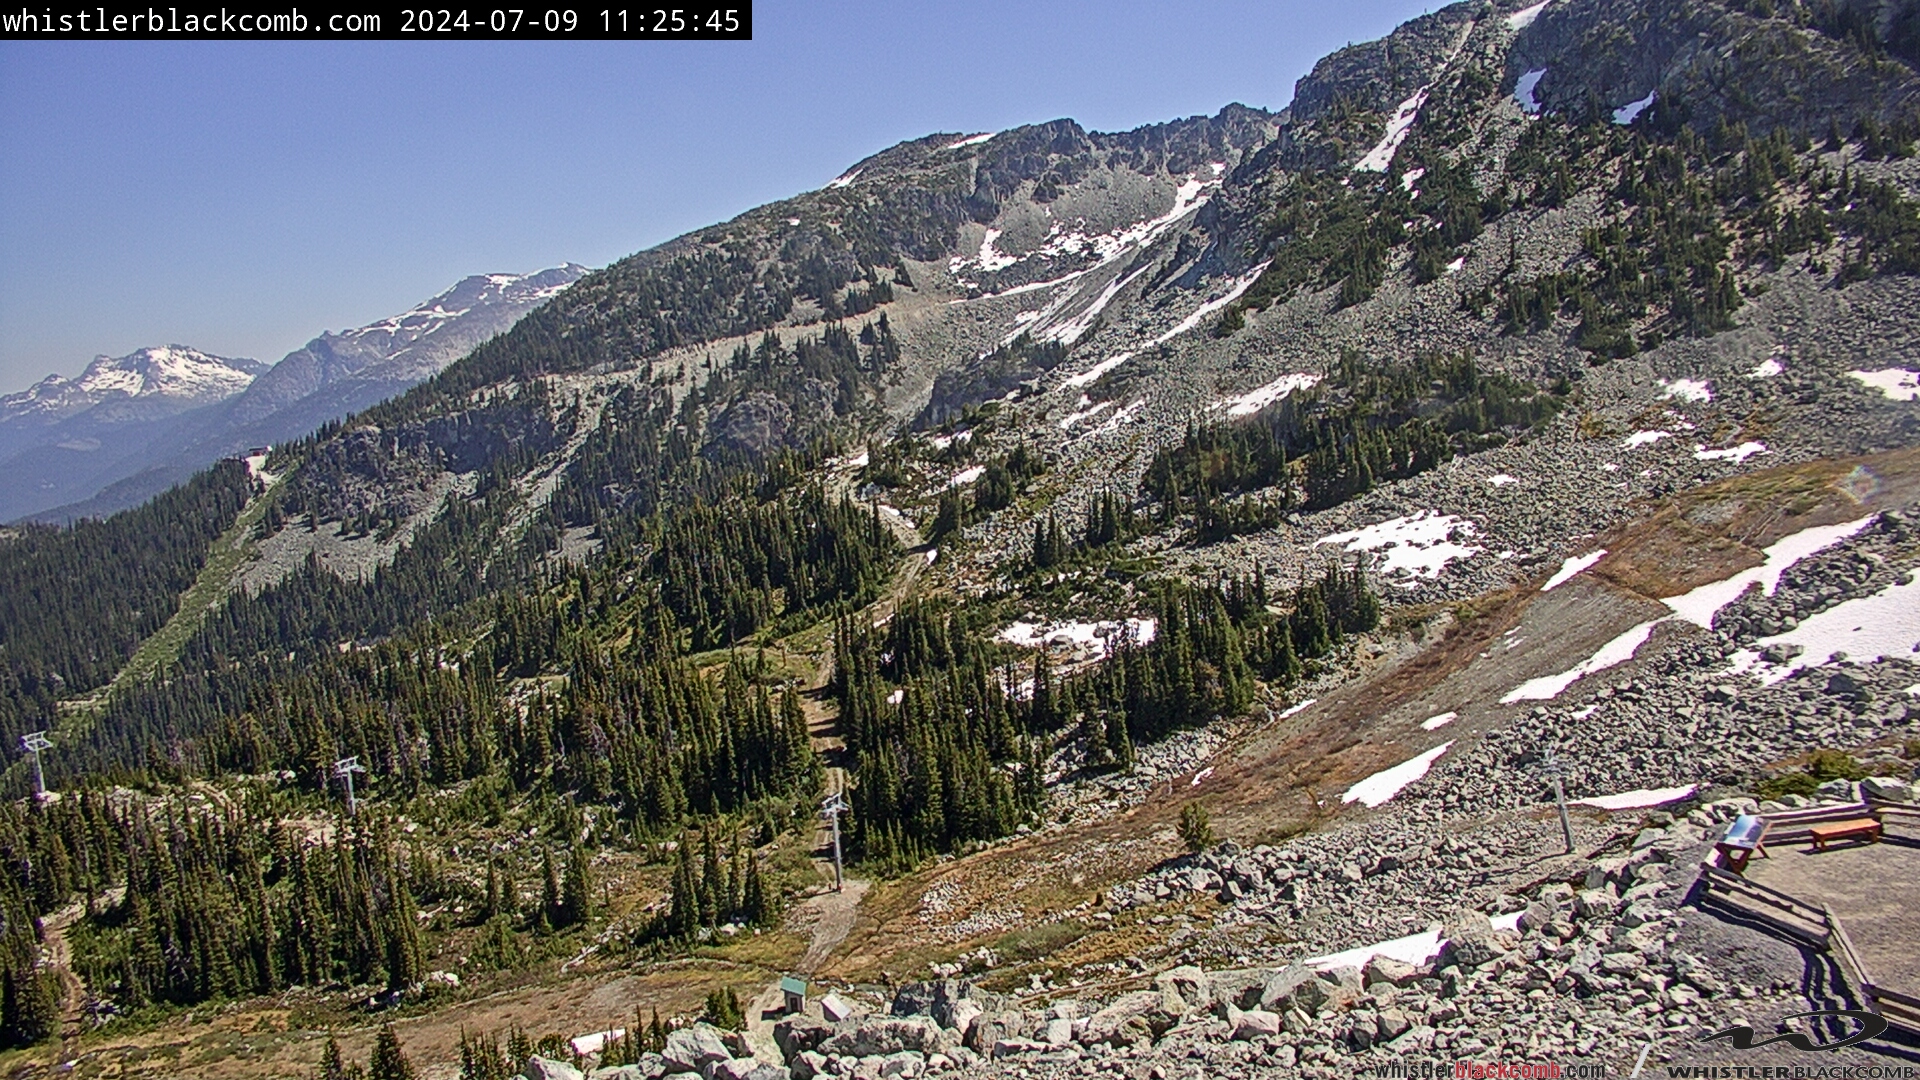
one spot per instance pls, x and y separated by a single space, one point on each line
1573 565
1260 397
1644 438
1625 114
991 260
1523 90
1687 389
1523 18
1615 652
1120 416
967 476
1387 783
1092 374
1070 331
843 179
1419 545
1768 369
1435 723
1701 604
1732 453
1896 383
1865 630
1240 285
1381 155
1087 411
1698 606
971 140
1637 800
1100 636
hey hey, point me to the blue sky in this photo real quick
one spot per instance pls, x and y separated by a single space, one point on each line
242 197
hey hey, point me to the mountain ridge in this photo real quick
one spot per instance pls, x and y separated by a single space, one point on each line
135 445
1180 549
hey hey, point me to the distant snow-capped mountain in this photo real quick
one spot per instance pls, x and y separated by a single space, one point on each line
129 427
163 377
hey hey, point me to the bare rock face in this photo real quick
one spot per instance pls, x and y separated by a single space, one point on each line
755 424
888 1035
691 1049
543 1068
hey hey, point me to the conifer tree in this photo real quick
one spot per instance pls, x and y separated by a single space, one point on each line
388 1062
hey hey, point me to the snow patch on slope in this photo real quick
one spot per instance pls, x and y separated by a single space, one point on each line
1573 565
1523 18
1896 383
1260 397
1381 156
1625 114
1419 545
1523 90
1865 629
1385 784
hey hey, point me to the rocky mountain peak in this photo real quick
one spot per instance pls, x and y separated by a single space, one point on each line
173 374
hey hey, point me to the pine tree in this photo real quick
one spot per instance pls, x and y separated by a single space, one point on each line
332 1065
388 1063
576 894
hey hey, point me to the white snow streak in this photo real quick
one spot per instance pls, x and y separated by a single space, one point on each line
967 476
1635 800
1240 285
1618 651
1435 723
1381 155
1625 114
1260 397
1768 369
1387 783
971 140
844 179
1865 630
1087 377
1299 708
1502 480
1700 605
1573 565
1732 453
1644 438
1523 18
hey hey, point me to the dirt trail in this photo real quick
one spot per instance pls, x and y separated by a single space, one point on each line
831 912
58 955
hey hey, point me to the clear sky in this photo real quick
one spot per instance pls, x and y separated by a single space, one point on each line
243 197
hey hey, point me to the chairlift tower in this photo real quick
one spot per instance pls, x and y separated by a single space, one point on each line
831 808
344 769
33 743
1554 768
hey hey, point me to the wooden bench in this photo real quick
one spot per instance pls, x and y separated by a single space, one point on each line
1854 829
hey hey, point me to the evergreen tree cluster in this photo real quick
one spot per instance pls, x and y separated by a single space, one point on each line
940 759
1363 425
719 889
75 601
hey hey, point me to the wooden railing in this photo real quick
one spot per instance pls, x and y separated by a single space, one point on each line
1897 1008
1772 907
